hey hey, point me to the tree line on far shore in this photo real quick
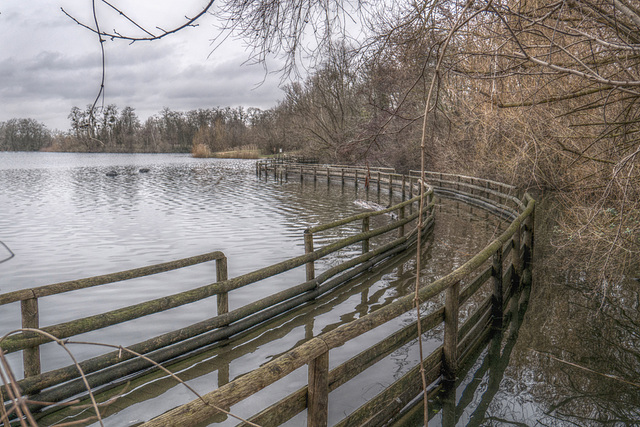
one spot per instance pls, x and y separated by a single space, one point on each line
110 129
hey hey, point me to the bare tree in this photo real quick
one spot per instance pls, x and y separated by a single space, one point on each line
540 93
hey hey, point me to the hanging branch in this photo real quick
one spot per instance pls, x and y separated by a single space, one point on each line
460 21
190 22
92 117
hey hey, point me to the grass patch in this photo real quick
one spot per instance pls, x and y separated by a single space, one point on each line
245 152
237 154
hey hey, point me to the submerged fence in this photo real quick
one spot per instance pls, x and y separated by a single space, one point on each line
60 384
505 265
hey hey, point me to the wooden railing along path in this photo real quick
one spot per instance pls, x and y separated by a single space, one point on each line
504 266
62 383
509 258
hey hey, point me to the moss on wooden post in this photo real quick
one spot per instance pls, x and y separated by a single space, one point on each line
30 319
318 391
221 276
450 346
308 248
516 260
365 229
498 291
529 238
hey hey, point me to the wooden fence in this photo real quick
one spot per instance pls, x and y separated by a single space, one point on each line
509 269
60 384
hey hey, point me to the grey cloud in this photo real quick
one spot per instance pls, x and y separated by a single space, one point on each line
49 64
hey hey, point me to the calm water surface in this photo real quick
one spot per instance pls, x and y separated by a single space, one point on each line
65 219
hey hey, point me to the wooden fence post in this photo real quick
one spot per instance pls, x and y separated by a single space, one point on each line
404 190
450 345
30 319
448 399
221 275
223 378
365 229
527 242
516 260
318 391
410 195
400 218
390 188
308 248
532 235
498 296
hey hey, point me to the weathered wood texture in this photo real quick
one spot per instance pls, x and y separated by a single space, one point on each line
205 332
295 403
73 285
199 411
474 331
318 391
173 343
460 341
450 346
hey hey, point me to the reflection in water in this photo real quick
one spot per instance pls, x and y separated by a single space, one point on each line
577 361
585 369
454 241
574 361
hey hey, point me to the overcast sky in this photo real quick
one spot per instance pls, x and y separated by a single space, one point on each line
49 64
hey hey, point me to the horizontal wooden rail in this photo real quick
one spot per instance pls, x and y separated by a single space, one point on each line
75 285
223 325
499 184
363 215
490 278
206 332
199 411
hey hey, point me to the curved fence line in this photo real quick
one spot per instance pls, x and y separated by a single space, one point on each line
510 258
59 384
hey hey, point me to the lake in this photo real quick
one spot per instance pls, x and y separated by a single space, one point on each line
64 218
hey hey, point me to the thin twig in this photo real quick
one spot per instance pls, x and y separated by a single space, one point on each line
75 362
584 368
174 376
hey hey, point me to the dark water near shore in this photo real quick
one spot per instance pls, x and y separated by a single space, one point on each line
65 219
